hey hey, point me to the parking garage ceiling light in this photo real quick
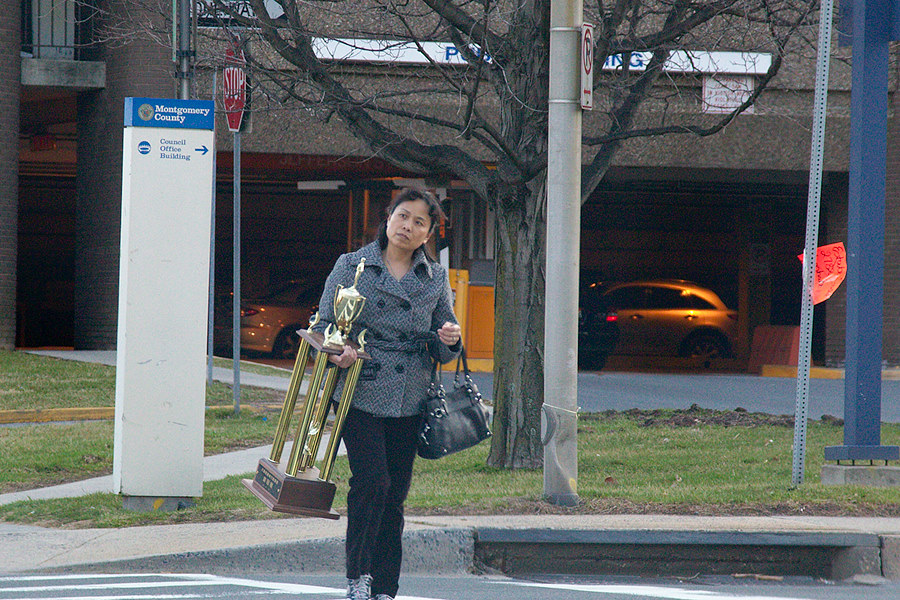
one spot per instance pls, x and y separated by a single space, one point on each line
320 185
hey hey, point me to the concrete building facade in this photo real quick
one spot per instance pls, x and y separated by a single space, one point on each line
10 42
726 211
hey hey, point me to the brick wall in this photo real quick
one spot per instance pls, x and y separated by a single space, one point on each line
140 68
10 76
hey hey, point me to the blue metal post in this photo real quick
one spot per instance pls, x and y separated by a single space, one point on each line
872 30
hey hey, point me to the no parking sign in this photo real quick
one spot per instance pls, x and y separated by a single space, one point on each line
587 66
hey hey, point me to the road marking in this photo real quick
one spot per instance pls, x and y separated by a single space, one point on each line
228 595
651 591
67 584
116 584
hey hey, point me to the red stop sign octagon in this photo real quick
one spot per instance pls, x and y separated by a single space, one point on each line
235 88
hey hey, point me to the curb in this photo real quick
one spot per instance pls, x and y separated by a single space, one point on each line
434 552
789 371
100 413
829 555
48 415
516 552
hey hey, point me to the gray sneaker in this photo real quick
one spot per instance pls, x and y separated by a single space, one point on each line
359 589
383 597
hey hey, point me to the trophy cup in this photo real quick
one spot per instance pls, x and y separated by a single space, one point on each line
302 488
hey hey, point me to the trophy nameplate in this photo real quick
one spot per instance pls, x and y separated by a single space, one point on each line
283 493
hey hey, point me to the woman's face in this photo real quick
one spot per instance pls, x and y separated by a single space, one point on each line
409 226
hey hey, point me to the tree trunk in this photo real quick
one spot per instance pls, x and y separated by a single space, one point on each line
519 325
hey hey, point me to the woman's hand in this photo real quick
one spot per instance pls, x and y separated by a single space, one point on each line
449 333
345 358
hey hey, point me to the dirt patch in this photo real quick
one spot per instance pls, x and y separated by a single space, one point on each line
696 416
619 506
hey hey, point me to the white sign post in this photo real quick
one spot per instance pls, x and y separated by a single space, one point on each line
167 181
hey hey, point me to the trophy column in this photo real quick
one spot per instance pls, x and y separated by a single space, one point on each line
302 488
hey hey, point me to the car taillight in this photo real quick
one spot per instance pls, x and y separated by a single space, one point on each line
612 317
248 312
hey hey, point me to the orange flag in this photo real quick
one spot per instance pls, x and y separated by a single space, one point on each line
831 269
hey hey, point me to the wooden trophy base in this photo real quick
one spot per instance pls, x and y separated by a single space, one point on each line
284 493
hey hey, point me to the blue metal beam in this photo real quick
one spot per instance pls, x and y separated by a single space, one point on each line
872 30
845 21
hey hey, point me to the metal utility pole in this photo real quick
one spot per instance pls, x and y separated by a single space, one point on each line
182 47
560 409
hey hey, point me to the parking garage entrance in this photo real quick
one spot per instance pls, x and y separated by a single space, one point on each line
738 238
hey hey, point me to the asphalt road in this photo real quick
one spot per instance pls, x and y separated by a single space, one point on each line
416 587
620 390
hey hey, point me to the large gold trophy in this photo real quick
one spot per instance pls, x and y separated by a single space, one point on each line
300 487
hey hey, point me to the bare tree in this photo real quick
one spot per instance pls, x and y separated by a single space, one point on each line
484 119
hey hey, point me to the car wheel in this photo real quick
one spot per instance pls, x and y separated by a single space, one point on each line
286 344
705 348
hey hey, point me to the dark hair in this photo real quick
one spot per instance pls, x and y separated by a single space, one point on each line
435 212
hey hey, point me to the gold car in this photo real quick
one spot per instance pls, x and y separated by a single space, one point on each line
662 317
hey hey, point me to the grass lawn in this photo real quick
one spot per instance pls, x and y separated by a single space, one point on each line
30 381
48 454
693 461
625 466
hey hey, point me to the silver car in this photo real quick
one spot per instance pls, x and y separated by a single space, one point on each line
269 323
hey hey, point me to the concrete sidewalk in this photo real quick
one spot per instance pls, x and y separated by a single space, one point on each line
832 547
829 547
225 375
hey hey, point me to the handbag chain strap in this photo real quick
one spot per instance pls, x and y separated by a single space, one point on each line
437 387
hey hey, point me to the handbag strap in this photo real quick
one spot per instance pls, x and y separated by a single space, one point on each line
461 359
437 369
435 378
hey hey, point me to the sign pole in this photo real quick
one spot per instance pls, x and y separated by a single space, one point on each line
816 158
211 316
236 274
234 86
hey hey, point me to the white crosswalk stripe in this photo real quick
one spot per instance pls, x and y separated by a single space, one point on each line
118 587
164 586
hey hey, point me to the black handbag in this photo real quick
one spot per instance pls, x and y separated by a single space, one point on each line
455 420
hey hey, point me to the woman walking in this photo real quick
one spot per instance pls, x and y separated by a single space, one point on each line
409 317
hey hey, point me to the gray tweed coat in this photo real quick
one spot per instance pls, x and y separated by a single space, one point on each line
402 318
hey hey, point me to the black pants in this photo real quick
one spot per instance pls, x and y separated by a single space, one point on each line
381 451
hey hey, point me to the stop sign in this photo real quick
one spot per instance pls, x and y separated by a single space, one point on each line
235 88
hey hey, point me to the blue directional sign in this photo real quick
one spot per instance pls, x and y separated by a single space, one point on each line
175 114
168 177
